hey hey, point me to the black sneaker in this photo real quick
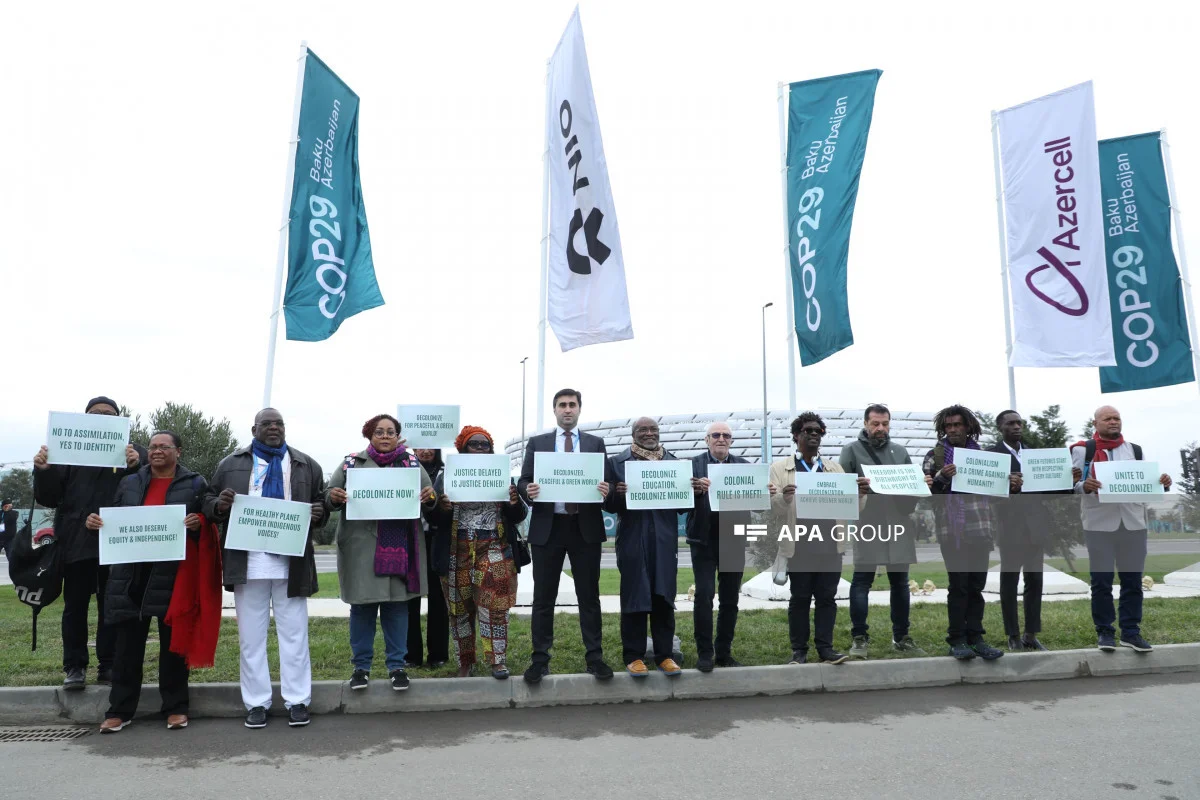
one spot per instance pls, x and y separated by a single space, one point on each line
600 670
833 657
256 717
400 680
1106 642
799 657
360 681
76 680
536 672
962 651
104 677
1134 641
704 663
298 715
986 651
727 661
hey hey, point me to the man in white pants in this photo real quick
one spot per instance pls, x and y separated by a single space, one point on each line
263 582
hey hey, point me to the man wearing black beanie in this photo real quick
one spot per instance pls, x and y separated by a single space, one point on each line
74 492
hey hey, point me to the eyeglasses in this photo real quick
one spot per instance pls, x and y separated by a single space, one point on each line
478 445
812 431
158 448
720 436
382 434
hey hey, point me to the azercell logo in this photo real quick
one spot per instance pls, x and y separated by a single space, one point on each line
752 533
593 249
1068 223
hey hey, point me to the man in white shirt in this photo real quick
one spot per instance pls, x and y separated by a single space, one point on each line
263 582
1115 535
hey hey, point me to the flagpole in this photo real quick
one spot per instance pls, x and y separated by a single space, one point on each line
1012 379
545 245
281 255
1183 268
787 260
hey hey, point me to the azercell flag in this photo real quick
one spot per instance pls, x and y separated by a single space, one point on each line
330 273
1056 265
828 122
587 302
1150 333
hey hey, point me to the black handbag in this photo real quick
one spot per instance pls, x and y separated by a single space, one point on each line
520 548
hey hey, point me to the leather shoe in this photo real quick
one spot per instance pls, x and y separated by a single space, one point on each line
1015 644
727 661
113 724
536 672
176 722
637 669
669 668
600 670
104 677
1031 643
75 680
704 663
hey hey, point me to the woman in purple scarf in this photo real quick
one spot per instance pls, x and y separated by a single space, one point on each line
381 563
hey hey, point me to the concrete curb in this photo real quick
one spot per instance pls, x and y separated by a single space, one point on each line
41 705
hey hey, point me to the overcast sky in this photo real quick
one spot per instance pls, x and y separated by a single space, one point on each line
145 147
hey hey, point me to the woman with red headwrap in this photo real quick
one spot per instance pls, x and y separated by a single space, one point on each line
482 580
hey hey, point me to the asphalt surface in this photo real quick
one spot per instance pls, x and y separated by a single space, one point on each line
1129 737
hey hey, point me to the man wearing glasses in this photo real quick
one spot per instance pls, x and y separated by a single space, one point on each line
713 577
74 493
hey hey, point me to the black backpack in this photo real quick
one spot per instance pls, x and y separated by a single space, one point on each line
36 570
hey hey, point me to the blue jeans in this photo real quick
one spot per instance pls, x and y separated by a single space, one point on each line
394 619
860 585
1126 550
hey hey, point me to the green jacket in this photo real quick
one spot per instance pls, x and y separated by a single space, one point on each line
880 509
356 549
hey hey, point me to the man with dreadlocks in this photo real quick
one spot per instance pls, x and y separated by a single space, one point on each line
964 533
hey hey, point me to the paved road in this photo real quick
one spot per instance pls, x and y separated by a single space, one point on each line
1128 738
327 561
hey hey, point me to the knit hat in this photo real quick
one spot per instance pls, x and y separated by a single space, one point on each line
95 401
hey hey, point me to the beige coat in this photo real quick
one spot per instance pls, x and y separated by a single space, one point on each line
783 508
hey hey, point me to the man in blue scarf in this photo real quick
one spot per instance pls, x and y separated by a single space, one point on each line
266 582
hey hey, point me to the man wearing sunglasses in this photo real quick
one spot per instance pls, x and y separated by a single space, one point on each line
713 577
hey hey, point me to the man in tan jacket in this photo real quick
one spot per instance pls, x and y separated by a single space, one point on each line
813 565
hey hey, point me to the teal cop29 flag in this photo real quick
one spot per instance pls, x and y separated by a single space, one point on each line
828 122
1150 333
330 273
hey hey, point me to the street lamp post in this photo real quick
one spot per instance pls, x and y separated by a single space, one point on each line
523 360
766 440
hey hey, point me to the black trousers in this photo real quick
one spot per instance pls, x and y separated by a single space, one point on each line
727 587
127 671
566 540
806 588
1019 552
437 619
81 580
964 605
661 617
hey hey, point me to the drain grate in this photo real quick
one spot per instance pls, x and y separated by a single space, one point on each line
59 734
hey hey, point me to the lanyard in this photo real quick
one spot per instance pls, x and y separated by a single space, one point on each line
803 463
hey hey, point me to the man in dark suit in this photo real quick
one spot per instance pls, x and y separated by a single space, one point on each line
713 577
558 530
1023 520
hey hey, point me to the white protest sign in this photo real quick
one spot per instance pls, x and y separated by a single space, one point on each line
133 534
431 427
268 525
1128 481
390 493
658 484
826 495
739 487
981 472
568 477
86 440
1046 470
902 479
476 478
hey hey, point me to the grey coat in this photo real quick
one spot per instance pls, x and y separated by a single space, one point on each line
308 486
881 509
356 548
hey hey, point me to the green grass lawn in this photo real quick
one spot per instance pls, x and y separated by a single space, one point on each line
762 638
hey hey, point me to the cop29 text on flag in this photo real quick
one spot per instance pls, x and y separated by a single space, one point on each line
1150 333
828 122
1056 266
587 302
330 273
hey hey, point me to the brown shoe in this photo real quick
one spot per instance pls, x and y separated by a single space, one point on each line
113 724
670 668
177 721
637 669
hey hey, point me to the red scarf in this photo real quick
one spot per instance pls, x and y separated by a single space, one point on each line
194 615
1103 446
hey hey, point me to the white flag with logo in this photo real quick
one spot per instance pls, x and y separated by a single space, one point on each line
587 300
1054 228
